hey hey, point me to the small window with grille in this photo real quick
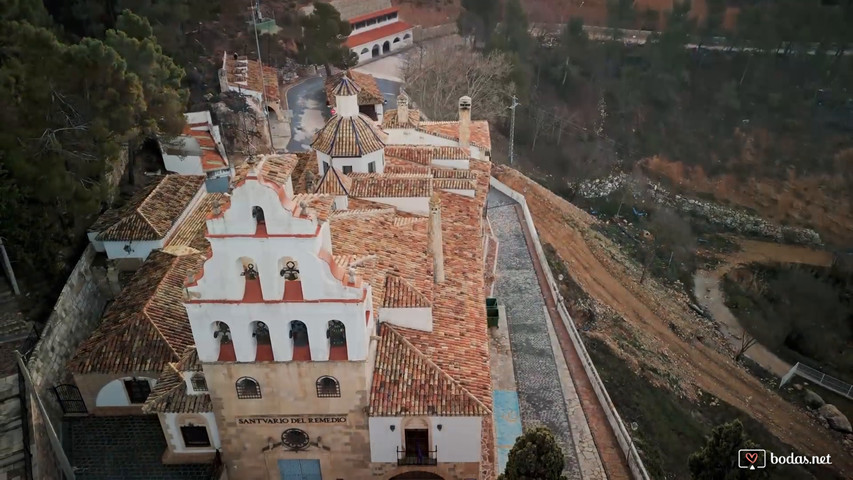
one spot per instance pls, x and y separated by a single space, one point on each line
328 387
198 382
248 388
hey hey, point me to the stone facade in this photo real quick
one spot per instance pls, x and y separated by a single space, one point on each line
289 392
75 315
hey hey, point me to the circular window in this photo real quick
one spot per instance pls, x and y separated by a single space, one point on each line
294 438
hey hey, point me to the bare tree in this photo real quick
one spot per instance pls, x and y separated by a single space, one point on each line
668 230
746 342
437 75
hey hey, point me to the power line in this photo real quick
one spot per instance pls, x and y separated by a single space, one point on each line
512 128
256 9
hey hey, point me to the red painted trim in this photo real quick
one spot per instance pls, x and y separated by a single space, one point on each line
262 233
226 353
302 354
338 353
368 16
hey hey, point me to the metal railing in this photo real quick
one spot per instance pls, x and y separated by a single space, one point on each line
828 382
428 457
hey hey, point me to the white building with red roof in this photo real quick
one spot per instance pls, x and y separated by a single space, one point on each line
198 151
328 330
376 27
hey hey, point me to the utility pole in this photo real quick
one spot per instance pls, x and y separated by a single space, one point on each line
256 10
512 128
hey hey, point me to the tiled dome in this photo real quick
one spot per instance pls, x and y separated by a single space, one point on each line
354 136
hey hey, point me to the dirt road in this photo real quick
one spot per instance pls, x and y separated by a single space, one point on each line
656 315
706 288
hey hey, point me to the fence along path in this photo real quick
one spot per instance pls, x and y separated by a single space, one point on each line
830 383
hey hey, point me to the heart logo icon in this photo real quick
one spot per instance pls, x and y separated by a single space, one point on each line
752 456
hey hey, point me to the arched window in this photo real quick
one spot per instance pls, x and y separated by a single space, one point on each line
198 382
328 387
290 269
396 40
222 332
406 36
299 333
364 50
248 387
337 333
261 332
258 214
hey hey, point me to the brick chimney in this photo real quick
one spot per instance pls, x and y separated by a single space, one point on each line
465 121
436 245
402 108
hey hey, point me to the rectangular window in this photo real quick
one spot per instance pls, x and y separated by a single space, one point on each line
417 442
371 167
195 436
137 390
347 169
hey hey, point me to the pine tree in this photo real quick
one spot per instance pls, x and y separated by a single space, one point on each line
323 37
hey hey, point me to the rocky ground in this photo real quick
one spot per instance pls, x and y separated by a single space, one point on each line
652 328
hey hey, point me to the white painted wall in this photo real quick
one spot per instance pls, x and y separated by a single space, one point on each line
341 202
418 205
98 246
464 193
183 165
140 250
277 316
376 25
416 318
457 164
458 440
410 136
403 43
113 394
176 440
358 164
238 220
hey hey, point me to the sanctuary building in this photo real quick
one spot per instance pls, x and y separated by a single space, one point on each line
325 318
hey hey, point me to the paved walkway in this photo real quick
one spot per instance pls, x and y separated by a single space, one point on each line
540 393
127 448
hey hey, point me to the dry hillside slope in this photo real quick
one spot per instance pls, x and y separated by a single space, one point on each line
662 326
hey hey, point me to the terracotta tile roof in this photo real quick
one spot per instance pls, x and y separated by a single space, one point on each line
480 135
346 87
349 137
192 230
390 120
273 168
407 382
333 183
453 173
247 74
152 212
378 13
397 165
147 325
384 186
454 184
211 158
399 293
409 221
377 33
305 162
368 94
170 395
189 361
320 204
424 155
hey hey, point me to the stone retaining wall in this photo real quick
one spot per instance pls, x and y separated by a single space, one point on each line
75 315
635 463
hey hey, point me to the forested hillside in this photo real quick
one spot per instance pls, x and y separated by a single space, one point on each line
763 108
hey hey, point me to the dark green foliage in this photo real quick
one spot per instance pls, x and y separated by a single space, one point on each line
323 39
478 19
535 456
67 110
718 459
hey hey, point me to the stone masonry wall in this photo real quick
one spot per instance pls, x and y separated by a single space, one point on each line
11 435
75 315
